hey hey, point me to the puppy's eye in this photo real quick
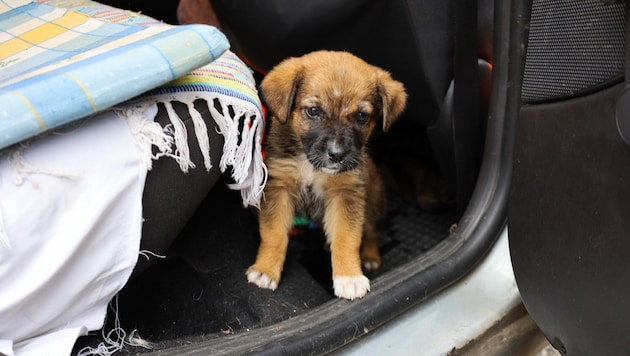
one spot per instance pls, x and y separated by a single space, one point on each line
313 112
362 117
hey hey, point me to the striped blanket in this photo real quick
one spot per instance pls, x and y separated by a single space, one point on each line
63 60
227 85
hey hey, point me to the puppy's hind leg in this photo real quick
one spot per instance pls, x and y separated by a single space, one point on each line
375 211
370 253
276 218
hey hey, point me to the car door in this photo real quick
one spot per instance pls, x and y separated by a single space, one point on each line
569 207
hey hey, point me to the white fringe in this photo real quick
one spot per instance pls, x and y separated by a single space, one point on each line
201 131
116 339
182 151
147 253
250 172
228 127
148 134
22 169
242 150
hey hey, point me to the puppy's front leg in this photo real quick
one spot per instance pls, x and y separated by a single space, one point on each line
343 223
276 218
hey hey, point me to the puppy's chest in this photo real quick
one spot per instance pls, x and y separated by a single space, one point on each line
310 200
310 204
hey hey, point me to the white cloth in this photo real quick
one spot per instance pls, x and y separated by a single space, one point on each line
71 208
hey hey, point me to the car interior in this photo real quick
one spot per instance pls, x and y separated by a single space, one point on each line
507 102
568 204
436 229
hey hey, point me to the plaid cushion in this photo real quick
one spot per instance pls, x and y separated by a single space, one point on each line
59 65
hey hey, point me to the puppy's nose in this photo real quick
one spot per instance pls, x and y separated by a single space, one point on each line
336 153
336 157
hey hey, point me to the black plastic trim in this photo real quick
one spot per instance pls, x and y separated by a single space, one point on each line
339 322
623 105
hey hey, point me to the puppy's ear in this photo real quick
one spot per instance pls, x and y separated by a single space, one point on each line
393 97
279 87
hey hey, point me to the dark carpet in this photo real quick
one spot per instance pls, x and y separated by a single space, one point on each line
200 290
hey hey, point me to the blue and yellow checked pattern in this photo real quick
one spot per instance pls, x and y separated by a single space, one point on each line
59 65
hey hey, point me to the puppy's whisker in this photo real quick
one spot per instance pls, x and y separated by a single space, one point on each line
315 160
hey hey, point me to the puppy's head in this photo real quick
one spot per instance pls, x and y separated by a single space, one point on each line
332 101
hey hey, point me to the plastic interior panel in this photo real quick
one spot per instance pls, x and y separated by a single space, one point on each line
568 223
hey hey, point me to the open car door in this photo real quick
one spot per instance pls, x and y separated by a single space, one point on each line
569 208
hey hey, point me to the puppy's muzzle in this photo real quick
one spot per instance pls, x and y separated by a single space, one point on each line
332 152
336 154
335 158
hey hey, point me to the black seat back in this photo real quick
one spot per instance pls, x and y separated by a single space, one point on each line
414 40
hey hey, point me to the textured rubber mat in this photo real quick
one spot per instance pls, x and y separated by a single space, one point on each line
200 290
410 232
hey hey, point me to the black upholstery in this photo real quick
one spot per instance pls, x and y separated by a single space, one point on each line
414 40
171 197
404 37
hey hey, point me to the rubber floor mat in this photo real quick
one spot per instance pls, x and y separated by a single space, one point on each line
200 290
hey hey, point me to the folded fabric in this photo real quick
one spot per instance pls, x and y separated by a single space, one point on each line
228 88
59 65
54 191
72 227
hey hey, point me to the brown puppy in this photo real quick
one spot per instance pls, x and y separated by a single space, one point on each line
323 107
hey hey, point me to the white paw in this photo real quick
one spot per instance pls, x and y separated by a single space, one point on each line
261 280
351 287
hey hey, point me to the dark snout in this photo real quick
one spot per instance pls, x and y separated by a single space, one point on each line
333 151
336 152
